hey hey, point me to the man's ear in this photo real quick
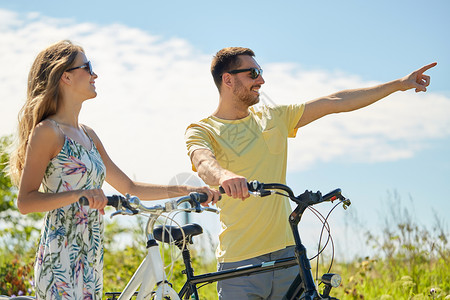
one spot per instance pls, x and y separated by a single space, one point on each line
227 79
66 78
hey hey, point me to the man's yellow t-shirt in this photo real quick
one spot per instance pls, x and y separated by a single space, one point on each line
254 147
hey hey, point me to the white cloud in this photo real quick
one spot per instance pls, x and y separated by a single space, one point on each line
151 87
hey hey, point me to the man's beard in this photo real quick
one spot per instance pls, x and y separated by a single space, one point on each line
243 95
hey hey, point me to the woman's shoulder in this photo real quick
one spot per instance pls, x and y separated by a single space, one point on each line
47 134
47 129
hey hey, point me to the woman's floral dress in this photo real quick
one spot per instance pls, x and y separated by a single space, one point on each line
69 259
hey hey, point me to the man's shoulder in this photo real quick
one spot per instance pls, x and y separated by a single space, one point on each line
267 111
270 110
203 123
202 127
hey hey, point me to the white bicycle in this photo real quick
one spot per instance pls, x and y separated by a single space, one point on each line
150 277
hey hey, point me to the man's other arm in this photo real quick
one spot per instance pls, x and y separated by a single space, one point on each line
349 100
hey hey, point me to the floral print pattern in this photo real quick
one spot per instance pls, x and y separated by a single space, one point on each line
69 259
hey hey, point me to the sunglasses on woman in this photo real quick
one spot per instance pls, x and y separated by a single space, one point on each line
86 66
254 72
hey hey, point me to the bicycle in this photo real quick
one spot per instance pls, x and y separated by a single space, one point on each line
303 287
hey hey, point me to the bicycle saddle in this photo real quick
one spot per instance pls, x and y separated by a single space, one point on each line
174 233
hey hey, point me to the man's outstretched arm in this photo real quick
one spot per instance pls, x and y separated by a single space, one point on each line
349 100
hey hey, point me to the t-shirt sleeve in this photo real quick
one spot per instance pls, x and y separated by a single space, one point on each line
290 115
197 137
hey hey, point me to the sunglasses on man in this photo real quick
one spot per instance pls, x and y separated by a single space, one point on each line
86 66
254 72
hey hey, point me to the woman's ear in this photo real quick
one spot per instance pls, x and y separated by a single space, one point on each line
66 78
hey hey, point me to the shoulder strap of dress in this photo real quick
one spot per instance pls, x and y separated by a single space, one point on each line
57 125
85 131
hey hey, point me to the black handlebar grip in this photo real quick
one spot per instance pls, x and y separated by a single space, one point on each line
112 201
200 197
83 201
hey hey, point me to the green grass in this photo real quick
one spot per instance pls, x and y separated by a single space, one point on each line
394 279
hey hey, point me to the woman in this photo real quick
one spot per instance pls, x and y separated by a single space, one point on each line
58 161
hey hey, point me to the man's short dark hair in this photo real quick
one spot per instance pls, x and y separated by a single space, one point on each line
226 60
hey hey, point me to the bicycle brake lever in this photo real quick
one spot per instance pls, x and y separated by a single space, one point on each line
210 209
125 212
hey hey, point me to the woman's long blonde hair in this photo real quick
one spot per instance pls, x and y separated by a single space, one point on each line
43 96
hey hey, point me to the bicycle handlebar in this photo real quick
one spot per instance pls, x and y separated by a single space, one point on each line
131 205
309 198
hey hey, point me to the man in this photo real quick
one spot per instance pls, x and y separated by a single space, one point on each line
237 143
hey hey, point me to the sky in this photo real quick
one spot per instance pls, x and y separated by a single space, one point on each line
153 58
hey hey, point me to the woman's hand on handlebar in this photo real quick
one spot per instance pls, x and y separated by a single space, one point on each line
96 198
213 194
235 186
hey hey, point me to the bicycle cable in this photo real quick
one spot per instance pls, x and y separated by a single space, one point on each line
322 220
173 257
325 226
329 237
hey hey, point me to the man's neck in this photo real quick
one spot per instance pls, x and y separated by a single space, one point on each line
231 110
